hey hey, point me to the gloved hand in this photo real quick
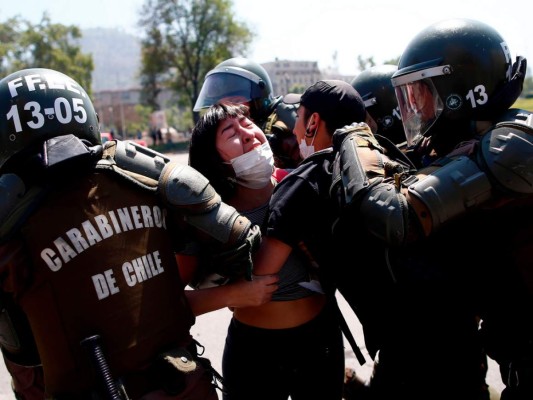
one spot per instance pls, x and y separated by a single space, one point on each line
237 261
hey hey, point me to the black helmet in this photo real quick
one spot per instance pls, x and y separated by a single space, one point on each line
375 87
457 69
241 81
38 104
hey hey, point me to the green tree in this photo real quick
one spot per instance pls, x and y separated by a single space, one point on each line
528 85
297 88
154 65
183 41
10 32
393 61
44 45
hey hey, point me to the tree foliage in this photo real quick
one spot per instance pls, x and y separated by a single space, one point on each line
44 45
392 61
528 85
183 41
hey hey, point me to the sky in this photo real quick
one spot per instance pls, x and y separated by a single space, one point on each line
332 32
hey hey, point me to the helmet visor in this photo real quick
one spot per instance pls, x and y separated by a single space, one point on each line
420 106
226 87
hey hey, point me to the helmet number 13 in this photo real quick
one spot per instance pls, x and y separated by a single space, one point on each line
61 110
478 96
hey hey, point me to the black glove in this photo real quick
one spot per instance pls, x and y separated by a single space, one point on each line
237 261
218 267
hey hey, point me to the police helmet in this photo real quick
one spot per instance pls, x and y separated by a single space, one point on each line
38 104
375 87
456 69
238 80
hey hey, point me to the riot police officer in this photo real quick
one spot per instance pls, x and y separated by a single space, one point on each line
375 87
89 285
453 249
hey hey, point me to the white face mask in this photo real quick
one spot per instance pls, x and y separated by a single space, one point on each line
254 169
306 150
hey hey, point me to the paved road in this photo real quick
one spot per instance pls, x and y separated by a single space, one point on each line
210 331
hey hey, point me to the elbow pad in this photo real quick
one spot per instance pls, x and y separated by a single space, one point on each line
507 156
502 164
450 191
180 186
187 190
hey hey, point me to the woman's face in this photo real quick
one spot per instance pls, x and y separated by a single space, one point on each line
236 136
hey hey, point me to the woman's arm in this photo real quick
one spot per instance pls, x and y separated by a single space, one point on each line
271 256
237 294
240 293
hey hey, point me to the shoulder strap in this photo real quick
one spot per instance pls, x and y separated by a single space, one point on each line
330 294
348 333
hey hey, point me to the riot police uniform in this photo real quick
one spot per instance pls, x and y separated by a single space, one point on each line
448 236
97 229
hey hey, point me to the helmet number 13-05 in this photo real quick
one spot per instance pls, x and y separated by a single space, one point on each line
62 110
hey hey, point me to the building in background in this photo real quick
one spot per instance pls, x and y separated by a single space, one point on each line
290 76
116 107
295 76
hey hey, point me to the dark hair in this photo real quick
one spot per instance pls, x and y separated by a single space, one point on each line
203 153
337 102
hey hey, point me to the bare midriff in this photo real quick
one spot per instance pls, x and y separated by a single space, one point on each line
282 314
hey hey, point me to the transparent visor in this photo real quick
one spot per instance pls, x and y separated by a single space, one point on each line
420 106
226 87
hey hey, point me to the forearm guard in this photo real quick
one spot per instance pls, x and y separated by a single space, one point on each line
190 192
501 165
187 190
364 178
448 192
